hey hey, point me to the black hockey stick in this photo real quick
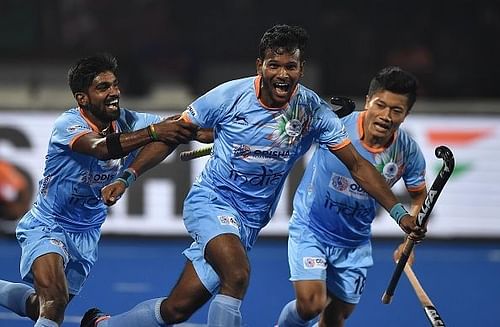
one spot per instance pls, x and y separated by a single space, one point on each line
423 216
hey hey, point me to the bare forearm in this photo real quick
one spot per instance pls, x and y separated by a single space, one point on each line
151 155
131 141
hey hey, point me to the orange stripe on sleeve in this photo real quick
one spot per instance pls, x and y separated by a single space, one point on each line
74 139
416 188
185 117
340 145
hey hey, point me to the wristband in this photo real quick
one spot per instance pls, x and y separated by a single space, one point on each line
114 146
128 177
397 212
152 133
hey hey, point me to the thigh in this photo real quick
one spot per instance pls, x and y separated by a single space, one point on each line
49 276
306 256
38 239
347 272
206 216
226 255
78 251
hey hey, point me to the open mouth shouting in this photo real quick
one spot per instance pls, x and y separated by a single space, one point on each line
112 104
282 89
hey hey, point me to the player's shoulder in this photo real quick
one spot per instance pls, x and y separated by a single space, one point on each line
351 119
407 142
240 84
70 117
308 94
404 136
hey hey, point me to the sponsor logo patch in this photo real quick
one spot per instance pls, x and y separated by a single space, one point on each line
260 153
192 111
347 186
314 263
228 220
62 246
74 128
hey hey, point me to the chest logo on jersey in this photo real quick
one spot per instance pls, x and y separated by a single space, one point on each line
292 124
240 119
390 170
347 186
259 153
293 128
97 178
265 177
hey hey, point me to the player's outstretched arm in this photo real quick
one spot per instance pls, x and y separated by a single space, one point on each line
148 157
118 145
372 182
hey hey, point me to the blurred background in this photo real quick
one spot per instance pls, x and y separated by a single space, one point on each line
170 52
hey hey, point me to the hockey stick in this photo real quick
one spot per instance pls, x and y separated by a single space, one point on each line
429 308
423 216
197 153
346 106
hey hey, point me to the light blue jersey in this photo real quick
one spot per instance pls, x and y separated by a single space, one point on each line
255 147
68 213
333 205
70 189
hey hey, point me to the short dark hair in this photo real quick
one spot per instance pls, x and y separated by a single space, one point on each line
396 80
83 72
289 38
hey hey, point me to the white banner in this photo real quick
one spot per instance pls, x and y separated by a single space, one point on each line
469 205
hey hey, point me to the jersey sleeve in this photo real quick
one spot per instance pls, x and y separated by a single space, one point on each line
210 109
332 132
414 175
68 128
133 120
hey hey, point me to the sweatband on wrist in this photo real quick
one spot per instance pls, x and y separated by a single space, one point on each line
397 212
152 133
128 177
114 146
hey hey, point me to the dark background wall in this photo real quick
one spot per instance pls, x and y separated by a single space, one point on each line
452 46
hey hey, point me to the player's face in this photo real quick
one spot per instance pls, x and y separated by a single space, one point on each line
385 111
103 97
280 72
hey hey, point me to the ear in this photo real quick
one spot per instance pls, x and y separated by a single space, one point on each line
367 100
81 98
302 68
258 66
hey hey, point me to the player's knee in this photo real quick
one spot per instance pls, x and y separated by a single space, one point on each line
311 305
173 313
236 279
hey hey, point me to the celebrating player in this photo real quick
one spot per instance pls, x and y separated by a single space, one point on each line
89 146
329 249
262 125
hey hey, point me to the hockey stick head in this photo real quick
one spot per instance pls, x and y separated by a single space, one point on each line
445 153
346 105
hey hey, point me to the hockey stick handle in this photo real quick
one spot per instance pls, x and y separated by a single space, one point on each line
423 216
